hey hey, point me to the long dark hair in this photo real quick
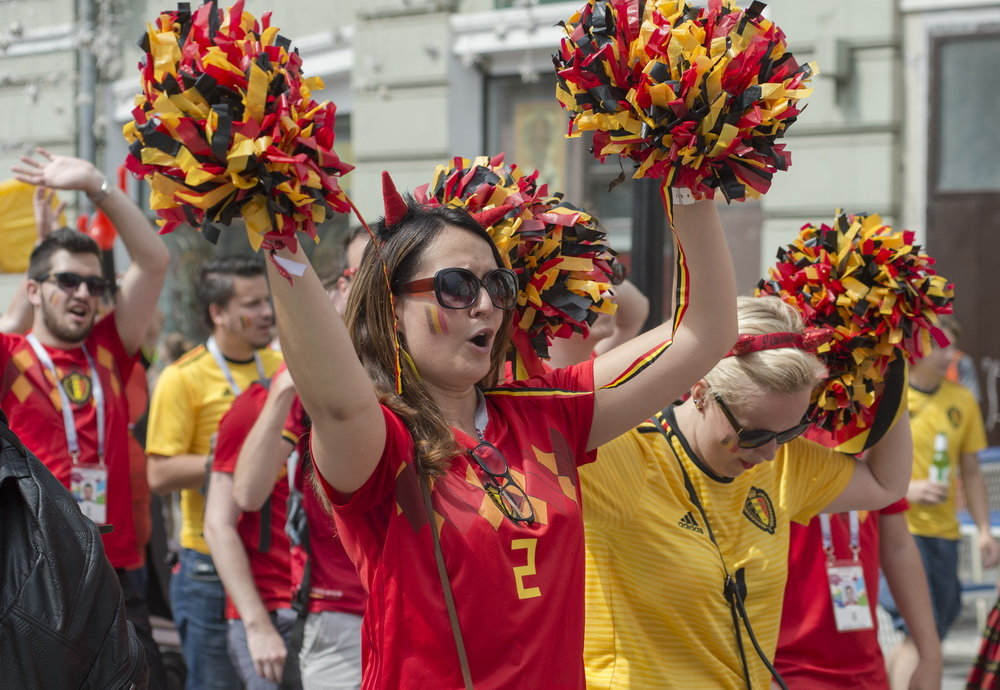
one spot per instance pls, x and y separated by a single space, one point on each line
370 321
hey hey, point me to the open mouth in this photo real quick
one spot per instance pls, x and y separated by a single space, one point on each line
79 311
483 339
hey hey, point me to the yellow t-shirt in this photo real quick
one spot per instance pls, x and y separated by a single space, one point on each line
656 615
953 411
190 398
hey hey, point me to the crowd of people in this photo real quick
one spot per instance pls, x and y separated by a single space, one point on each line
369 500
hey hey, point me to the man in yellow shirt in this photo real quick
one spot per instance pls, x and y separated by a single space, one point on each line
945 421
190 398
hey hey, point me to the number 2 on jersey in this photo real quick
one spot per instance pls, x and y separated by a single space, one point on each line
526 570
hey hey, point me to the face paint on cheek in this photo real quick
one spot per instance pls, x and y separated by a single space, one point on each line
731 443
244 322
435 323
52 298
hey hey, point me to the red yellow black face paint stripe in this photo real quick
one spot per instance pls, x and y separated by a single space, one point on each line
435 321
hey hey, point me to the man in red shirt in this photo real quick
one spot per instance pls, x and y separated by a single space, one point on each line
62 385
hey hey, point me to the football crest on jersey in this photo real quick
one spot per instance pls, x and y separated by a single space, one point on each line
759 510
78 387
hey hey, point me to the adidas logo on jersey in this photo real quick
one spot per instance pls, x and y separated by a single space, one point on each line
688 522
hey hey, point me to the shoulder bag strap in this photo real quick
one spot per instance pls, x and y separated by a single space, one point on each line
449 598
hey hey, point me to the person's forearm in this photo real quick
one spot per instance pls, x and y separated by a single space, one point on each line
231 561
891 461
263 453
708 324
145 247
904 573
975 492
166 474
336 392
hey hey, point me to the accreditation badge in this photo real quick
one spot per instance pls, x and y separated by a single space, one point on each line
849 596
89 486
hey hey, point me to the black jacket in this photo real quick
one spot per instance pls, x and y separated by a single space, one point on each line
62 618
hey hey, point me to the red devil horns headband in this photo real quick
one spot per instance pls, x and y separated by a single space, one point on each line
809 340
395 205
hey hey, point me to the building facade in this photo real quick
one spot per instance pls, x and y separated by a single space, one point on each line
900 122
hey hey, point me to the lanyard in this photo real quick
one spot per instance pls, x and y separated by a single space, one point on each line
213 348
734 588
69 425
824 528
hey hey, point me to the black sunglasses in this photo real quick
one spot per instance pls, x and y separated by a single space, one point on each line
508 496
755 438
458 288
70 282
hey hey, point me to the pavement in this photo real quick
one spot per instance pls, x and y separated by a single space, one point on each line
960 649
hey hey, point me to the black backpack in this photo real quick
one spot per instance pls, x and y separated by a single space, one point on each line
62 617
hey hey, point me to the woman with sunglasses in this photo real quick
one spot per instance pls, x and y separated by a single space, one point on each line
688 517
490 593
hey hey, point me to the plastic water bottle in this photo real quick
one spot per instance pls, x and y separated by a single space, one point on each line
940 465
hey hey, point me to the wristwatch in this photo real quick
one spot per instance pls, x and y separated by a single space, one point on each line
101 193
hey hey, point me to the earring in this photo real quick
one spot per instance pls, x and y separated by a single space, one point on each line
699 404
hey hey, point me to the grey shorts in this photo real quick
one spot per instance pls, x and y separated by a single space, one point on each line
331 651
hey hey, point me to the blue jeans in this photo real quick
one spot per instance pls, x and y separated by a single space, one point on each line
940 559
199 605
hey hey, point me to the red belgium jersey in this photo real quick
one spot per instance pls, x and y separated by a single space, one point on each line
29 398
812 653
262 532
518 587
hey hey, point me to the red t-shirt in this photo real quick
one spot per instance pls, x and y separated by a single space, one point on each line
31 402
518 587
334 584
811 652
262 532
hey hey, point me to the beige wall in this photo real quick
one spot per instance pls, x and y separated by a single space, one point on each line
846 144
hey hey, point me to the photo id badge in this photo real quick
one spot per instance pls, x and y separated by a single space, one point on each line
89 486
851 604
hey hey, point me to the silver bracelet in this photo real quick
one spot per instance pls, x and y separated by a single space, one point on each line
101 194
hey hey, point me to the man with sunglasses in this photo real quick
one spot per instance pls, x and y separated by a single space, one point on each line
63 383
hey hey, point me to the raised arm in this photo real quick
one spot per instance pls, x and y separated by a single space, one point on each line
882 478
705 332
265 450
141 285
267 648
348 428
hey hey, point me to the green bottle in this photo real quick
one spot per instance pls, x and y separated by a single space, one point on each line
940 465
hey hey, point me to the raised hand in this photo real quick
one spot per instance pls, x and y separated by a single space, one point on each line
59 172
46 217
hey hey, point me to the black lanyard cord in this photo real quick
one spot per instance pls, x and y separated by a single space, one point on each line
734 590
